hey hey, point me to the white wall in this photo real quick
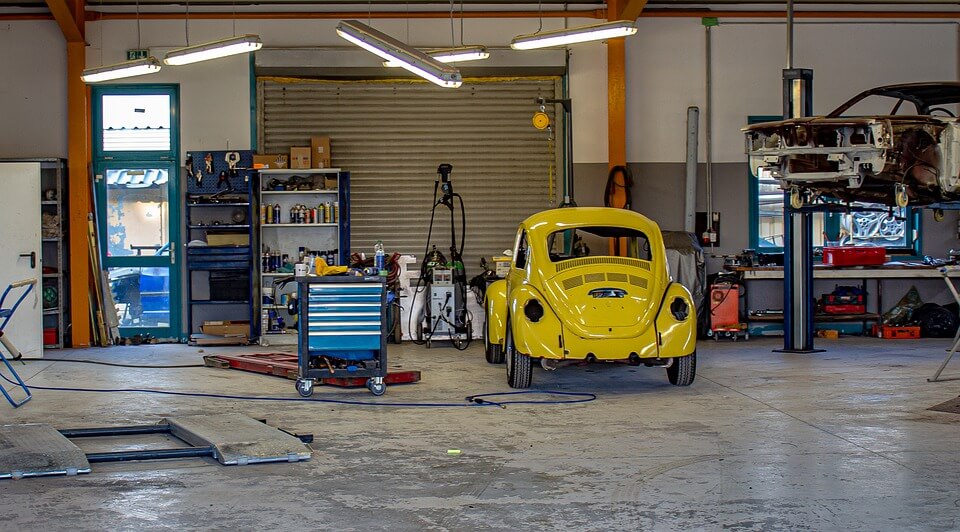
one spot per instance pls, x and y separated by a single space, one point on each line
214 95
666 73
33 90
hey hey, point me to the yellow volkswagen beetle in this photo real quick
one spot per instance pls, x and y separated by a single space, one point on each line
589 284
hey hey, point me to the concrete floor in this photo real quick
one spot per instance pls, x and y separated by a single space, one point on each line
762 441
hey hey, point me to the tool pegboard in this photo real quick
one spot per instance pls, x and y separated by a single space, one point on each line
209 172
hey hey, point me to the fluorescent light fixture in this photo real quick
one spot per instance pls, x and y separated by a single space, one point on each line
391 49
452 55
126 69
214 50
593 32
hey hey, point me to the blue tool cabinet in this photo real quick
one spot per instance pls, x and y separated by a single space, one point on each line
343 321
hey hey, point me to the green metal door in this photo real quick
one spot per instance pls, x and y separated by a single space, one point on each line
136 185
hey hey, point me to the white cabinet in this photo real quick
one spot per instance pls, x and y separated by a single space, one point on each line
304 210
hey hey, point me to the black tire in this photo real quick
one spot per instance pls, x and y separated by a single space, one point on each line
519 367
493 352
683 370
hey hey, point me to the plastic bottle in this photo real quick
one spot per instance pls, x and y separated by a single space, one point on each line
379 259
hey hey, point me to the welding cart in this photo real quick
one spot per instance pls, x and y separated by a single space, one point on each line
343 330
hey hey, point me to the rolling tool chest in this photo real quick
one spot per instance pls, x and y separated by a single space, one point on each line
342 330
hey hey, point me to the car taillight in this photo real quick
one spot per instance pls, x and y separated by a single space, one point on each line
533 310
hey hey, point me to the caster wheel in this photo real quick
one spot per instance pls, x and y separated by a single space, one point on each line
796 197
900 195
938 215
376 388
746 336
305 387
428 344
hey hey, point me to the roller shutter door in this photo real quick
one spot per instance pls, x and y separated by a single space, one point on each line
392 135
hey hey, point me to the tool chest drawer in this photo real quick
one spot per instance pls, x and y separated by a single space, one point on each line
343 314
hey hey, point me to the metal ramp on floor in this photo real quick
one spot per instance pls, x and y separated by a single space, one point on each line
232 439
38 450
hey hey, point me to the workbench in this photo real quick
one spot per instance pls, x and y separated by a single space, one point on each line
890 270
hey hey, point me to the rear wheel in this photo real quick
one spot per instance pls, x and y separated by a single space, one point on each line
683 370
519 368
493 352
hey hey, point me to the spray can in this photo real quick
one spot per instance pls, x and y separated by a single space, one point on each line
276 213
263 214
336 213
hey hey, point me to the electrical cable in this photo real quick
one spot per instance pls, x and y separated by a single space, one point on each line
117 365
472 401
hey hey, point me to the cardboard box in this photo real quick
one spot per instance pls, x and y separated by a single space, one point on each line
271 161
330 182
226 328
320 152
501 266
300 157
228 239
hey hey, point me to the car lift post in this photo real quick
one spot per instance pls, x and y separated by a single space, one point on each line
797 232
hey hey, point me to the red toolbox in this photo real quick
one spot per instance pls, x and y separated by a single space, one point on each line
854 255
890 332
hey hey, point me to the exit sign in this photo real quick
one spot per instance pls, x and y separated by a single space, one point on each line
137 54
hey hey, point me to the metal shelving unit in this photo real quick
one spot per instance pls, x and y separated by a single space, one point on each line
215 206
326 186
54 256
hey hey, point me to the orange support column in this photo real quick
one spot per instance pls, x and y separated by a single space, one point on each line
79 186
616 116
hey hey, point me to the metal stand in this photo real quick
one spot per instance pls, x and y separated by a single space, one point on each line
6 314
946 271
797 233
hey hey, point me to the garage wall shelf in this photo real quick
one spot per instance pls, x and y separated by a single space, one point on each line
220 238
324 230
54 258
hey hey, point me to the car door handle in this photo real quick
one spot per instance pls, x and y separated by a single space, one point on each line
33 258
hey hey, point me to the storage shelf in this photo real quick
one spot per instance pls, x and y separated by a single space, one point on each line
276 274
49 202
335 224
292 171
301 192
221 226
50 311
215 302
51 275
822 318
244 204
50 239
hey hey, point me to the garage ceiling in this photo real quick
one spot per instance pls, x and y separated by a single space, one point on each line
475 7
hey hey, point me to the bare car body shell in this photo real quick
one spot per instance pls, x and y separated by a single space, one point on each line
892 159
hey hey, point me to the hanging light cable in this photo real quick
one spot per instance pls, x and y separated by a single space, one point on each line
126 69
215 49
591 32
454 54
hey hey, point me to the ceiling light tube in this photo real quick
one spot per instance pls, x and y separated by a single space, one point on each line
593 32
126 69
391 49
452 55
214 50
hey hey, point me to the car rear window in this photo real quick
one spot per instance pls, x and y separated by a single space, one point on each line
596 242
